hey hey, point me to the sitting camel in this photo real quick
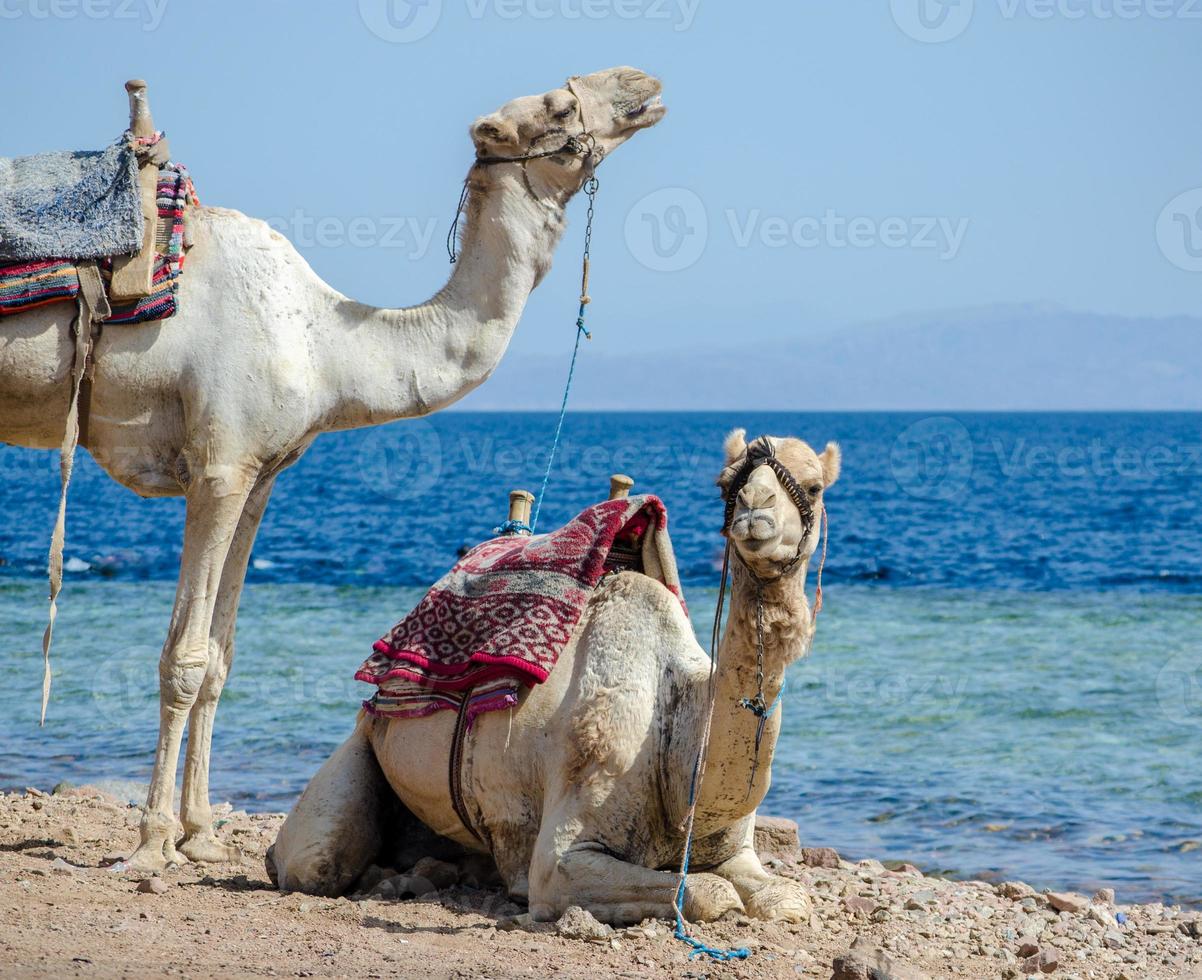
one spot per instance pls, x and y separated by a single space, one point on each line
583 789
262 357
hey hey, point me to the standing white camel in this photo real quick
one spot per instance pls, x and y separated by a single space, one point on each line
581 792
263 356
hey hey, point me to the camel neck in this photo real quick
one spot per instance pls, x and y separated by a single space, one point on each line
400 363
737 774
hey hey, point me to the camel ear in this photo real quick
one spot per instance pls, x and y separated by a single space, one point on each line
832 463
735 445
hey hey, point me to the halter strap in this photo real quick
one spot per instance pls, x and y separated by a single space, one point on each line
762 452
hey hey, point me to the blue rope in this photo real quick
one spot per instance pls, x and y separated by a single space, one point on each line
699 948
513 527
563 410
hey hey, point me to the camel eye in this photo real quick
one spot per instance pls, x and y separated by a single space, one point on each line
815 489
564 114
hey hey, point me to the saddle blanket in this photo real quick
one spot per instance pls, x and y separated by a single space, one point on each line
500 618
24 285
73 204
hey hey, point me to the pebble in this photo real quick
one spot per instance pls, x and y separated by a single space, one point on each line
864 962
820 857
859 904
577 923
153 886
1067 901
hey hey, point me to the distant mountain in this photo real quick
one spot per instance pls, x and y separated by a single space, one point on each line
999 358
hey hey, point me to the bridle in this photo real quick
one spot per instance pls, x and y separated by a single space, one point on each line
762 452
582 144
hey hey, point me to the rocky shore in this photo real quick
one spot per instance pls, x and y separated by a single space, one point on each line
69 906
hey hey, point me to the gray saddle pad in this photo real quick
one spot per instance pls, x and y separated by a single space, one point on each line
70 205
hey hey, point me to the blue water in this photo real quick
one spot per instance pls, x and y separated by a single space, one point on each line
1007 679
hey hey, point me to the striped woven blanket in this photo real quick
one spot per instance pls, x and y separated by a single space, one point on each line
24 285
499 619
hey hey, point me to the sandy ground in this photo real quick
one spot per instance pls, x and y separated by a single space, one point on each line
67 909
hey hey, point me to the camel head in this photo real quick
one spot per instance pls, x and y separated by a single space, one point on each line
610 106
766 526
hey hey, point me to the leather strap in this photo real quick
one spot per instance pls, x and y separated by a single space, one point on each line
455 775
92 289
92 308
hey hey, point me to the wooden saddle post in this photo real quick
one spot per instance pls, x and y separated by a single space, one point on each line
132 273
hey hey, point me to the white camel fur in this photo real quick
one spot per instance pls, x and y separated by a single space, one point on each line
582 789
263 356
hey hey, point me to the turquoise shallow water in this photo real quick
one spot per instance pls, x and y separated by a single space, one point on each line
1052 737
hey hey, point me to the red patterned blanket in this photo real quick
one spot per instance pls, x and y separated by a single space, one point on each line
503 614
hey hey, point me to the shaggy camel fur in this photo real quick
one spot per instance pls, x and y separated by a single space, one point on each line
263 356
582 789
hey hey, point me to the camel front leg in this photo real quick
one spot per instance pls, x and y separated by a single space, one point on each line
200 842
584 873
215 503
764 895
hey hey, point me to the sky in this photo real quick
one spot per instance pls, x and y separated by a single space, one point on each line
822 165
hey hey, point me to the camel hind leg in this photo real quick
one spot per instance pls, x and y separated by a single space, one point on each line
337 827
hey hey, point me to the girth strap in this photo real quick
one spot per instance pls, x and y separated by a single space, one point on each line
92 309
456 766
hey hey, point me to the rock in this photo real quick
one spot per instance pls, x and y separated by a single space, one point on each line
61 788
820 857
577 923
1100 915
1028 949
1067 901
863 961
153 886
1044 961
921 899
858 904
439 873
1113 939
1104 896
776 835
372 877
1015 890
403 886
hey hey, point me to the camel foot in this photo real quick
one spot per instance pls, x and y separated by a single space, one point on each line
153 855
207 849
708 897
779 900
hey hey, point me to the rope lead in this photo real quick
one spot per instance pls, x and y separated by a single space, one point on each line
590 188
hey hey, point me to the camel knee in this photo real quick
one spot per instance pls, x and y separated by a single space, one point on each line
182 671
311 871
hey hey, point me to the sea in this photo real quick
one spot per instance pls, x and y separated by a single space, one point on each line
1006 680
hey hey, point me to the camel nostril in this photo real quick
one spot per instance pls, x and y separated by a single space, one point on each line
494 130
